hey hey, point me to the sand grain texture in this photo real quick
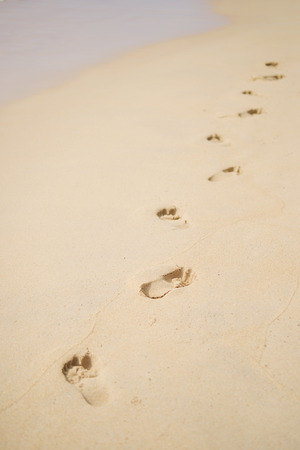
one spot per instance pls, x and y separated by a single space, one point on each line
143 306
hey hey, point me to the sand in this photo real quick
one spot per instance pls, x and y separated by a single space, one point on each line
150 247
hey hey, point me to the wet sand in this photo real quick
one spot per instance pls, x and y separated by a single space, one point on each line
43 44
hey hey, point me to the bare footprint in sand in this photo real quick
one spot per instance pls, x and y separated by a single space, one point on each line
268 77
225 173
80 372
160 287
168 213
214 138
171 214
271 64
250 112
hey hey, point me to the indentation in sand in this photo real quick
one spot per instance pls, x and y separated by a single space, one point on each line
160 287
214 138
268 77
271 64
225 173
80 372
248 93
168 213
250 112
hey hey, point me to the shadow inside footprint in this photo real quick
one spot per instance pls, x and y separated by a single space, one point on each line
214 138
168 214
271 64
160 287
250 112
79 371
225 173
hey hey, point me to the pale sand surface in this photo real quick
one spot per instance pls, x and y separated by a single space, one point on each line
213 363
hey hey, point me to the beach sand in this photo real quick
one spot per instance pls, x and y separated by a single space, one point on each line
150 247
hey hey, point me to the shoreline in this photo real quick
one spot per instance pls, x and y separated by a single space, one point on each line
41 46
150 247
131 54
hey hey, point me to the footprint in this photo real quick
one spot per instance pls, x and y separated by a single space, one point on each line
225 173
80 372
268 77
271 64
250 112
214 138
248 92
168 213
160 287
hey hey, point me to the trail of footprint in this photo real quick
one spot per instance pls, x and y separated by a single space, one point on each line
225 173
115 296
160 287
80 372
266 77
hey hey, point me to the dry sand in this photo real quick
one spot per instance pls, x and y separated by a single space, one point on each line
149 275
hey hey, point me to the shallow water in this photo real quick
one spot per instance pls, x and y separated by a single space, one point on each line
43 42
